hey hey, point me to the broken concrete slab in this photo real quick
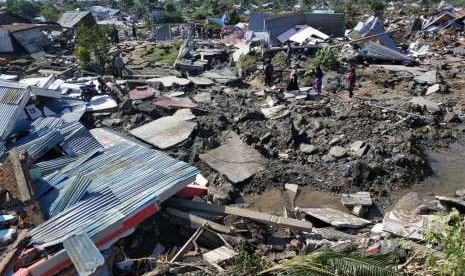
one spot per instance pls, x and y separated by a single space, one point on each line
170 81
430 105
433 89
167 102
358 148
336 218
201 81
219 255
405 224
338 152
165 132
360 198
141 93
417 71
275 112
236 160
460 193
185 114
429 77
452 202
203 97
109 138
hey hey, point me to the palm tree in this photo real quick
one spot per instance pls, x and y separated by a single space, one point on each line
327 263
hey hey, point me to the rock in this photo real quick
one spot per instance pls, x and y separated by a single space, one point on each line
338 152
336 218
433 89
310 149
275 112
359 210
422 102
203 97
313 245
358 148
460 193
459 204
332 234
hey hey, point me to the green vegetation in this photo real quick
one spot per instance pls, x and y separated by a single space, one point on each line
327 263
451 242
22 7
234 18
49 12
326 58
96 41
167 54
247 262
279 60
247 64
377 7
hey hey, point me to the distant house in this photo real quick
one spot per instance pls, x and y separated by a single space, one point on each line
74 19
156 14
104 13
8 18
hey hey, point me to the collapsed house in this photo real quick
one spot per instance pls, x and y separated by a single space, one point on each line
83 191
332 25
74 19
25 38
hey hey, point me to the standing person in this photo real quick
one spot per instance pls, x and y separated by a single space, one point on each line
115 35
118 65
269 70
351 79
288 52
293 81
134 31
318 82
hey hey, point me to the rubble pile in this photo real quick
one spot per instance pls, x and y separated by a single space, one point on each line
153 163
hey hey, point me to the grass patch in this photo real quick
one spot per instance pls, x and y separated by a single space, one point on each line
166 54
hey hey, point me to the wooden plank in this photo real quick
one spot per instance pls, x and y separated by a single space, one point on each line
253 215
21 182
198 221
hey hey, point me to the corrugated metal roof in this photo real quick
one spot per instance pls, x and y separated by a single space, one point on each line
6 45
12 103
50 166
70 18
78 139
83 254
124 178
40 146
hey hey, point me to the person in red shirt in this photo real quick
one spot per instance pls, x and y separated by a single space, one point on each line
351 78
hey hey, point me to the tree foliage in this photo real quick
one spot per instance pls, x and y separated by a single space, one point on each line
234 18
22 7
95 40
172 17
327 263
49 12
327 58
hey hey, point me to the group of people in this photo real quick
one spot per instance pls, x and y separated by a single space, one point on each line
293 84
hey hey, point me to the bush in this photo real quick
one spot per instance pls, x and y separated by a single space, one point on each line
279 60
22 7
451 242
172 17
327 58
247 64
83 56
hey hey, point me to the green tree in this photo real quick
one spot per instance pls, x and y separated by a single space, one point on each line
22 7
234 18
377 7
172 17
49 12
170 8
95 40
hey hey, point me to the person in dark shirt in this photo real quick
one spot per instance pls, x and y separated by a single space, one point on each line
351 79
269 70
293 81
317 83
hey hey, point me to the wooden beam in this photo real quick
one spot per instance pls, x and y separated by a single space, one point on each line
253 215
